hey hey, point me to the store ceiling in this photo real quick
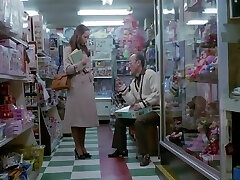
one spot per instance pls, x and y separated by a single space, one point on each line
63 13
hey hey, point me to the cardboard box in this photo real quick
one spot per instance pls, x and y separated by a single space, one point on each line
128 113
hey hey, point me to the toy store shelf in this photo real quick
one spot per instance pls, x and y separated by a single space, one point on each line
7 140
231 104
13 77
43 54
101 59
47 108
103 98
6 33
124 75
122 60
33 175
54 143
103 77
206 45
195 163
194 7
46 77
211 78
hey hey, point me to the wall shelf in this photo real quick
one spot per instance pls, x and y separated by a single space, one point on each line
13 77
7 140
6 33
103 77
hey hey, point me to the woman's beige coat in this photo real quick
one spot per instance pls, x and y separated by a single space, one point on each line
80 106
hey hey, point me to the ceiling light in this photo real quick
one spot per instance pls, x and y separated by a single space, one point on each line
32 12
25 25
109 2
107 12
210 11
166 11
103 23
23 0
197 22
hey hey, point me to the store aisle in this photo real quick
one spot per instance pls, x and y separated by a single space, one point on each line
62 165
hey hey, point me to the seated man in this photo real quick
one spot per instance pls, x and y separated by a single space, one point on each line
142 92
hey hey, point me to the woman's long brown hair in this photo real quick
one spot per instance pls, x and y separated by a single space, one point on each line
75 41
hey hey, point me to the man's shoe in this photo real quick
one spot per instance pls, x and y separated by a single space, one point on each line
145 160
118 153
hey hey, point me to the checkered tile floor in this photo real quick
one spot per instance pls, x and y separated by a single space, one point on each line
62 164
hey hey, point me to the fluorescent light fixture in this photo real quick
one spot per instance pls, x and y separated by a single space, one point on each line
61 35
25 25
106 12
109 2
210 11
23 0
103 23
185 6
197 22
166 11
47 30
32 12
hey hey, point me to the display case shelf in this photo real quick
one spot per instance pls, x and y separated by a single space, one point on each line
211 78
195 163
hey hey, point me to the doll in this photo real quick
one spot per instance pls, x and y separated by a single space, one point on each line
177 136
213 146
200 143
214 128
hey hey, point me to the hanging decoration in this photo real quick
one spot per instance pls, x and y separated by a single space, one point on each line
130 37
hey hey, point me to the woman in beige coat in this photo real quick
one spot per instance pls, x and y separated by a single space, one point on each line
80 106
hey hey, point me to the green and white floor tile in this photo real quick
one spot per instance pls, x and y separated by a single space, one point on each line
62 164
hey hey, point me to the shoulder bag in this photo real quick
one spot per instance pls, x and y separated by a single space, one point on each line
61 81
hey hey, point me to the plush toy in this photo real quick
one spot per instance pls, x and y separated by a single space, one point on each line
197 105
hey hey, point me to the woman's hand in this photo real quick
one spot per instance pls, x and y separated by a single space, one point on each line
84 59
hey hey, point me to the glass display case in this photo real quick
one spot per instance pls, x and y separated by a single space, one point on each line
191 122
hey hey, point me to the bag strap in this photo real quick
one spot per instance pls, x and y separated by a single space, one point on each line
60 50
60 63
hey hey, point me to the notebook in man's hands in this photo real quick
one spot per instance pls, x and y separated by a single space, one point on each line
76 56
129 113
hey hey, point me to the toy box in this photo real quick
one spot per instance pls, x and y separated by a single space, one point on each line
128 113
